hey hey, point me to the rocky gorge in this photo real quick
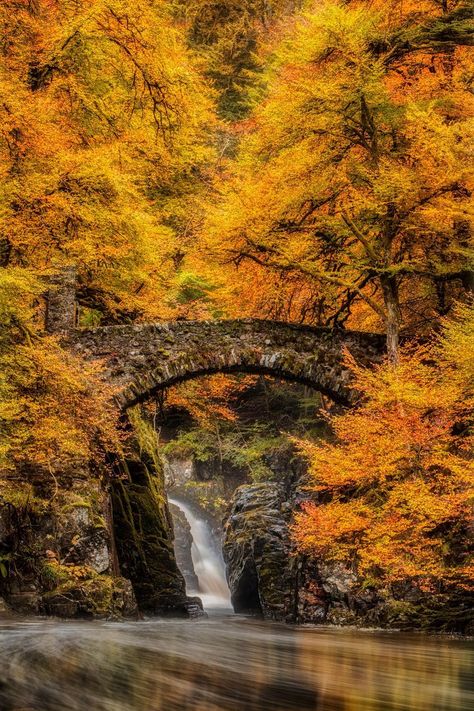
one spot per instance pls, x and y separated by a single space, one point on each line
97 554
96 539
106 544
112 547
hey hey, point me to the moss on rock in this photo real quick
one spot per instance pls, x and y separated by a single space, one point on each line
143 528
81 592
57 545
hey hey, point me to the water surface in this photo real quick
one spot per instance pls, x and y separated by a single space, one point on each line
227 663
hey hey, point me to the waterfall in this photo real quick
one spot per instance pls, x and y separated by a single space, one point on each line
208 562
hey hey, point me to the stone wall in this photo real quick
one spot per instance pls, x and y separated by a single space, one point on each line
61 302
140 359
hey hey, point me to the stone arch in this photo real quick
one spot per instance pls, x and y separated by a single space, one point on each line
143 358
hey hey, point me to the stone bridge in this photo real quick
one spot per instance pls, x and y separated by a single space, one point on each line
141 359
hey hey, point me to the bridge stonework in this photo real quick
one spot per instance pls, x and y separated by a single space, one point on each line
141 359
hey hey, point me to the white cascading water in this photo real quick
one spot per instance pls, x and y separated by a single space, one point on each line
208 563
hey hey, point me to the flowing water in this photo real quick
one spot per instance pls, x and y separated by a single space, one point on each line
227 663
207 560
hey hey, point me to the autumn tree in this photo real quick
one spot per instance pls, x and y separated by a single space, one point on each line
355 174
393 491
230 35
103 119
104 142
53 407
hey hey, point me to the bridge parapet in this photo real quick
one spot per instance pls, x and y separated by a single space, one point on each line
143 358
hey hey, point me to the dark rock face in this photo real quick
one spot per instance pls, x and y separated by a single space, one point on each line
60 556
257 550
178 472
141 359
183 542
90 542
266 575
60 553
144 539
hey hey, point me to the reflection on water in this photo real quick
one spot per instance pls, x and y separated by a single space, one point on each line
227 664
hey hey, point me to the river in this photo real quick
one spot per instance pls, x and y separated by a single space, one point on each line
227 663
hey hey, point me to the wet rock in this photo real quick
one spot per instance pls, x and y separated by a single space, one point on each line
194 609
183 541
311 599
124 603
84 539
91 550
26 602
338 614
60 606
256 550
60 552
5 610
99 597
99 557
337 581
178 471
266 575
144 538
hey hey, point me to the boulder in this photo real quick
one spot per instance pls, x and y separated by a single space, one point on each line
99 597
257 551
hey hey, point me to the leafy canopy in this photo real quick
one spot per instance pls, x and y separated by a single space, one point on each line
394 489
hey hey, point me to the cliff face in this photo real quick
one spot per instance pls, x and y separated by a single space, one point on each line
74 545
144 538
257 552
266 575
183 542
57 550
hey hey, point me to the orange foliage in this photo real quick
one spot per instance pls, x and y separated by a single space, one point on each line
104 124
209 399
54 409
353 180
395 488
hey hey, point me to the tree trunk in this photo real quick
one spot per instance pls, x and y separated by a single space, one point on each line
392 307
467 280
5 251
